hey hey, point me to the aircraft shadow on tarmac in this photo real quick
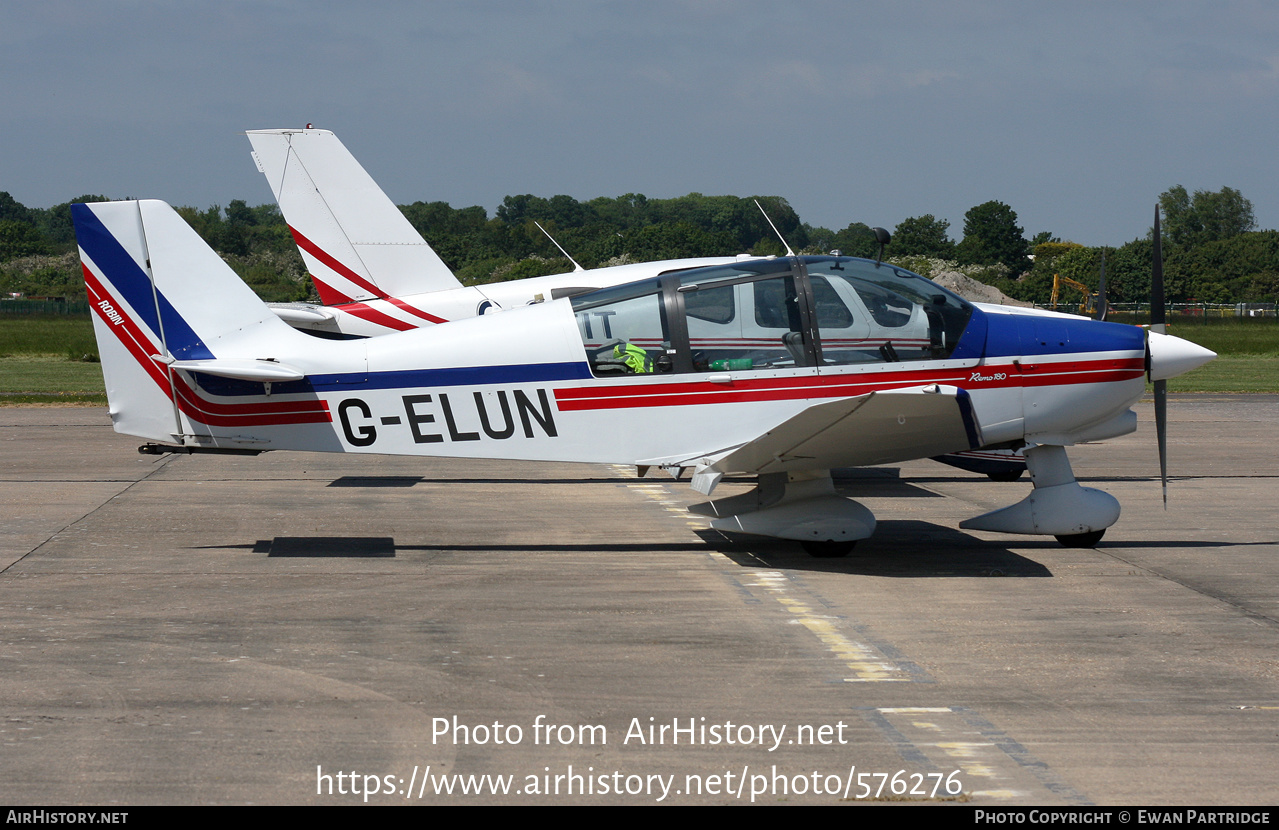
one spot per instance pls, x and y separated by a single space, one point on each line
375 481
385 547
899 548
318 547
905 549
410 481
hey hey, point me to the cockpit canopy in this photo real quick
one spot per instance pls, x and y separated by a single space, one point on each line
769 314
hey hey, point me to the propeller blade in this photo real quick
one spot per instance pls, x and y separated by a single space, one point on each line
1159 324
1161 430
1100 311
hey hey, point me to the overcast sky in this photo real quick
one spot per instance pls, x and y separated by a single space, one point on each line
1077 114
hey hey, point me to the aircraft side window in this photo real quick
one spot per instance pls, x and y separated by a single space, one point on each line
770 337
844 338
776 304
715 305
624 335
742 317
832 313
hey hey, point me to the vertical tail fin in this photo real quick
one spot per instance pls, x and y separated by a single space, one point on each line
127 314
356 242
165 305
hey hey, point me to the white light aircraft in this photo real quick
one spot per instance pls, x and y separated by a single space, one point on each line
373 271
669 371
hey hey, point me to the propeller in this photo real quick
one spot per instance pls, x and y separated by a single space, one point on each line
1166 356
1159 325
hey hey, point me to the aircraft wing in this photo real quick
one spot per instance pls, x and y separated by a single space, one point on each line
877 428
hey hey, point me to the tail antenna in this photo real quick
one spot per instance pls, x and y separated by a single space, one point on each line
789 252
576 266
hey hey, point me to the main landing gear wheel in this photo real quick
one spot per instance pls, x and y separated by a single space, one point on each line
1011 475
1082 540
828 550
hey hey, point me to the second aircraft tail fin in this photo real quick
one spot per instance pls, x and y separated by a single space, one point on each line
355 241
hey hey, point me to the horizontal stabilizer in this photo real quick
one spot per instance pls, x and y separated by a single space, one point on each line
302 315
261 371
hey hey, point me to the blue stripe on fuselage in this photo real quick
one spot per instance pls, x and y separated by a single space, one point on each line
124 275
404 379
457 376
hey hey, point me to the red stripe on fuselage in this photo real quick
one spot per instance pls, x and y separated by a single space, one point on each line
744 389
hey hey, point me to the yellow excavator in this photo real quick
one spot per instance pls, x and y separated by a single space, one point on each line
1089 303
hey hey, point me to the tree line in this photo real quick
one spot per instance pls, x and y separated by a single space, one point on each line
1213 253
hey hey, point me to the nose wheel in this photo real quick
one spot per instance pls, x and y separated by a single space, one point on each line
828 550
